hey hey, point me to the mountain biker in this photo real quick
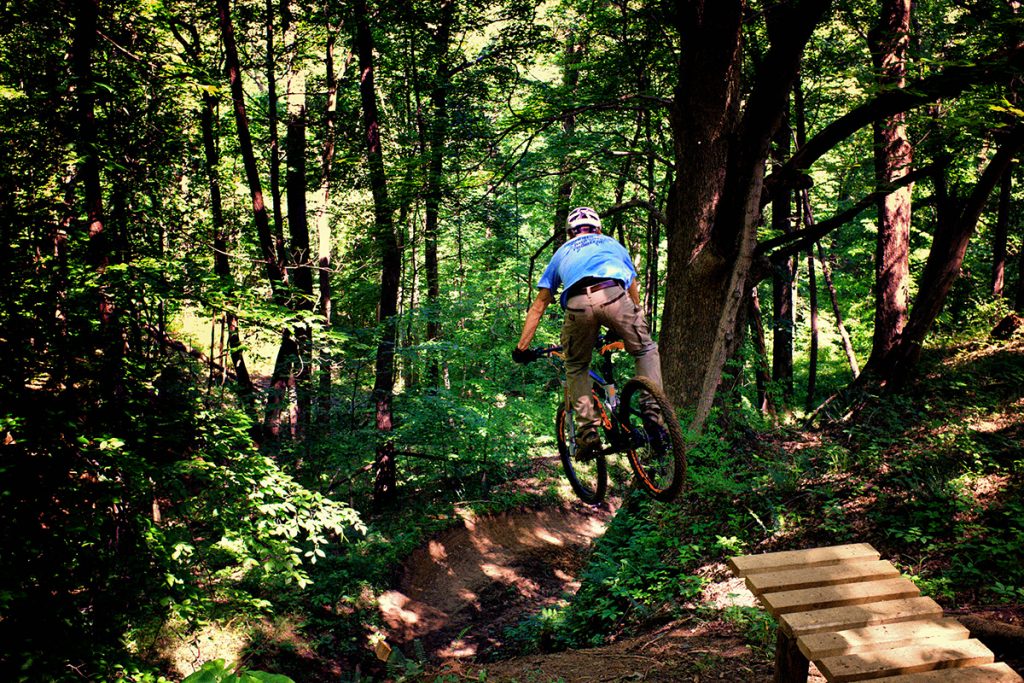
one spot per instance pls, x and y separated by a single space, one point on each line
600 288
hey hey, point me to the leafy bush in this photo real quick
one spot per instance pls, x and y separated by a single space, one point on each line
169 511
218 671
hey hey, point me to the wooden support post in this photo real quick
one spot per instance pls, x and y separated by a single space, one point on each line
790 664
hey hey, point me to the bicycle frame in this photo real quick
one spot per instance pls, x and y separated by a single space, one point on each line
604 391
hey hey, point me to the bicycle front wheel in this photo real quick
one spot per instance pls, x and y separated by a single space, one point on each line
657 455
588 478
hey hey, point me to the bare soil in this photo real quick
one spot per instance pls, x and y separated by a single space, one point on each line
459 593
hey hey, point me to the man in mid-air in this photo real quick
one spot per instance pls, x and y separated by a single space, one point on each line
600 288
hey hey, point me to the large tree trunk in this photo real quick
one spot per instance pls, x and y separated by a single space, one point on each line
704 118
888 42
714 204
274 269
391 260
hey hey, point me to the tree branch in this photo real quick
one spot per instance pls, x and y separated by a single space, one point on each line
634 202
795 242
951 82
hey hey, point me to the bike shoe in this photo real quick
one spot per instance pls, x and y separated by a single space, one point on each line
588 445
657 436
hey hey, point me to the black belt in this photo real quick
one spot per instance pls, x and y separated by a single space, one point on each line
588 286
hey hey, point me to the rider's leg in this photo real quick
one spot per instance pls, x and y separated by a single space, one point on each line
579 334
630 323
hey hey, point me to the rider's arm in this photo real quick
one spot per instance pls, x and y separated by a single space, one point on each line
533 317
634 292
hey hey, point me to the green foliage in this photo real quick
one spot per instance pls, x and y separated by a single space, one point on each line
757 625
218 671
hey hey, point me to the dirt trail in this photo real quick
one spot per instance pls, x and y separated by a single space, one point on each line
459 593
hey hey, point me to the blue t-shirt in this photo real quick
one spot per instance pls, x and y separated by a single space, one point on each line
587 255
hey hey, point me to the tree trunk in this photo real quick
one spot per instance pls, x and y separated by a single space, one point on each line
888 42
435 174
86 19
784 272
1018 299
714 203
292 366
275 147
943 265
274 269
812 303
110 339
1001 233
323 221
221 266
653 232
391 261
826 273
706 109
570 81
761 374
282 381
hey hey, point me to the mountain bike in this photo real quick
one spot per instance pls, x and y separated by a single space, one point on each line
640 422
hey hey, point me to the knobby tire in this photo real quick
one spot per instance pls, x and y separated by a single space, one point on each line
662 479
589 480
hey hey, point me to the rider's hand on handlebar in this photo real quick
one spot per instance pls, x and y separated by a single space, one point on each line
523 355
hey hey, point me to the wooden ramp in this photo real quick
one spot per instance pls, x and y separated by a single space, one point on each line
858 619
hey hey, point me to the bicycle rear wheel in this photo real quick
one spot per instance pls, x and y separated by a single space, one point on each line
658 456
589 479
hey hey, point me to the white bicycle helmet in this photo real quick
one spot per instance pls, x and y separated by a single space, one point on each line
580 218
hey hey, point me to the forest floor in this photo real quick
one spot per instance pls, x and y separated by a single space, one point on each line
459 593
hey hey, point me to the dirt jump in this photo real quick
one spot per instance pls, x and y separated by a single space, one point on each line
458 594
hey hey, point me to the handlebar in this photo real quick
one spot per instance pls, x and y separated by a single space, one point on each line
605 347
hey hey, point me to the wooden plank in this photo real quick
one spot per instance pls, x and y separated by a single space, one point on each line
857 616
797 579
881 637
825 597
904 660
986 673
746 565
